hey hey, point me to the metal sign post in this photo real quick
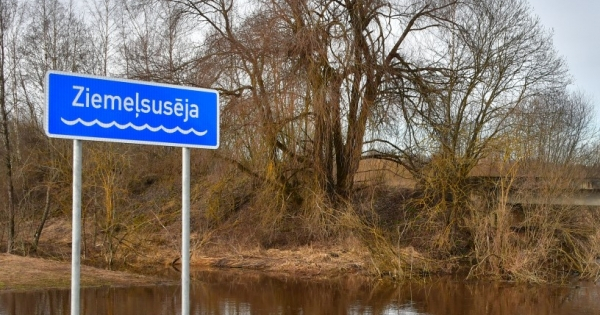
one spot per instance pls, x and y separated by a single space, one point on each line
185 232
76 233
85 107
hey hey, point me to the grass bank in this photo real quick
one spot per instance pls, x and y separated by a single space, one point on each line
28 273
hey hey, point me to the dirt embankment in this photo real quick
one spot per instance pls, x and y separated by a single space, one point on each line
159 256
302 262
314 262
26 273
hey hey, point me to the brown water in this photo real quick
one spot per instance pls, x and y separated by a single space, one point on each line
254 293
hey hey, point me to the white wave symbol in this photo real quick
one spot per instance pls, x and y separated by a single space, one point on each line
130 125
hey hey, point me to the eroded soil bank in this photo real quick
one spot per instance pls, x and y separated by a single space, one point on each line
27 273
31 273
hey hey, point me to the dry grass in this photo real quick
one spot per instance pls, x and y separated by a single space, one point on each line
319 261
26 273
386 230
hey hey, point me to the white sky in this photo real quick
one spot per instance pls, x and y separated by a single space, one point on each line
576 26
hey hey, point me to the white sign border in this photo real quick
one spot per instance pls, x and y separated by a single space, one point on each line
165 85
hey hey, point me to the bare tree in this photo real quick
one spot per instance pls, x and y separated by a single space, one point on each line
157 42
328 60
457 99
555 128
7 13
104 16
56 38
52 36
543 167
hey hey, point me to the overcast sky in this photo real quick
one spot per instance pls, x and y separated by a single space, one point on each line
576 26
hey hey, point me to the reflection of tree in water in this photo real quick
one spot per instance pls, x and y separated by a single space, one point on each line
260 294
249 292
497 298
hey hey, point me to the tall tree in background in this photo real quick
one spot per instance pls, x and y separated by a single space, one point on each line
7 13
104 14
56 38
52 36
457 101
158 43
304 78
555 127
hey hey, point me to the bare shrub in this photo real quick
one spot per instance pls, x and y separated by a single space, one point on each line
539 239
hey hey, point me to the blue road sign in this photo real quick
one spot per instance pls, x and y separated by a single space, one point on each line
106 109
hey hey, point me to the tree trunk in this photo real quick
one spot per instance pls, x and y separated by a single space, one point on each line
6 138
38 232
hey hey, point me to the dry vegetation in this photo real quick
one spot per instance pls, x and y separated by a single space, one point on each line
315 96
27 273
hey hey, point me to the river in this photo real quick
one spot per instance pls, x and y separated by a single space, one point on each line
247 292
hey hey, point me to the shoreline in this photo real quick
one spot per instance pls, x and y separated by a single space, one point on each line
20 273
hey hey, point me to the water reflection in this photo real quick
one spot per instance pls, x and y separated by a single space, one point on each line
243 292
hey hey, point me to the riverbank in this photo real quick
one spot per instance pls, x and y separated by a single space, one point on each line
19 273
156 260
158 253
26 273
299 262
